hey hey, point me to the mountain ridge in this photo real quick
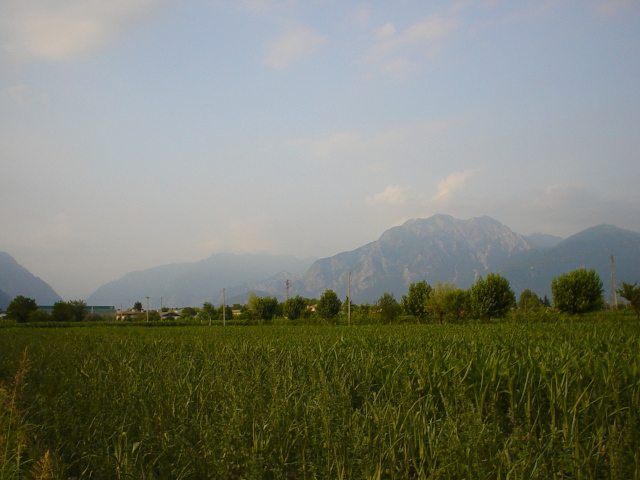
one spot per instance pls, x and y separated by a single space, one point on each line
17 280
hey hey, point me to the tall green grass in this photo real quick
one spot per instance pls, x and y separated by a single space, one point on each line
473 401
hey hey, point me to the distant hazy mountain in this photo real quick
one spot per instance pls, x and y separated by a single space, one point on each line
192 284
16 280
542 240
591 249
437 248
432 249
443 248
5 300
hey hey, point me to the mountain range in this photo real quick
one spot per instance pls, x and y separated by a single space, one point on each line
16 280
438 248
192 284
442 248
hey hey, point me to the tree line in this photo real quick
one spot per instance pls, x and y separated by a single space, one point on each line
574 293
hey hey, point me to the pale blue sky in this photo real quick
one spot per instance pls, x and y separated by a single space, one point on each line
135 133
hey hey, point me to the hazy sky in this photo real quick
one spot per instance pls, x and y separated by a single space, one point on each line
135 133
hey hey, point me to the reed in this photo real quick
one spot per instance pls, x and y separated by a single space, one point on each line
550 400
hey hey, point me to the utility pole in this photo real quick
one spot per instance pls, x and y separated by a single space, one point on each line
224 310
349 299
147 309
614 294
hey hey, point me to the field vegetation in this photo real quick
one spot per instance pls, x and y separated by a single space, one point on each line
501 400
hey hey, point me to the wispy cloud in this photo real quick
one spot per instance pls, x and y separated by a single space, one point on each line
423 39
293 46
454 182
412 203
393 195
59 29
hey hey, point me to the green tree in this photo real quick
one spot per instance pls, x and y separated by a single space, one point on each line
208 312
493 297
415 302
328 305
226 312
455 302
528 300
266 307
576 292
435 304
20 308
294 307
188 312
388 307
72 311
631 293
137 306
39 316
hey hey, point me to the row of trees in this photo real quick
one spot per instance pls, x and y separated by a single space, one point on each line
575 293
24 309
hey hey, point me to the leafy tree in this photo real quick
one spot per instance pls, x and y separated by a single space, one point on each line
39 316
415 302
435 303
72 311
266 307
188 312
631 293
328 305
545 302
576 292
20 308
227 311
208 312
389 308
137 306
528 300
455 302
492 297
294 307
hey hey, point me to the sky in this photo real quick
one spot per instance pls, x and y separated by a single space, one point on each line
137 133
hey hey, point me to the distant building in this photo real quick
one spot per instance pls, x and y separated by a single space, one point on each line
170 315
89 309
127 314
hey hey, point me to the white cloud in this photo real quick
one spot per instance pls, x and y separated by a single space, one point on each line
425 37
293 46
393 195
454 182
388 30
59 29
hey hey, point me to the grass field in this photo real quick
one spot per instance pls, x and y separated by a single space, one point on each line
552 400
